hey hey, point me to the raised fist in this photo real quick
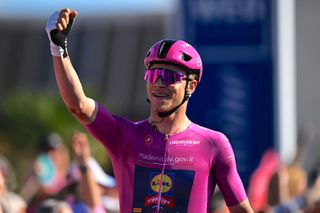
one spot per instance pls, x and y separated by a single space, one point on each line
58 28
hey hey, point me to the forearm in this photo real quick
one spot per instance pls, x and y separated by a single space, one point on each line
71 90
58 28
89 189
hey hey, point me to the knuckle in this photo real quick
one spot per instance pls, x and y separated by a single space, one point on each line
67 10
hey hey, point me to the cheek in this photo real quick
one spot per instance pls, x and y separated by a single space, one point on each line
179 89
148 89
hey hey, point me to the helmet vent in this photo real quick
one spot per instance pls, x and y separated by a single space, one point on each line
186 57
165 47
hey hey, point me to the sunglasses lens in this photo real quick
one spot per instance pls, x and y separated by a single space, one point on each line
167 76
151 76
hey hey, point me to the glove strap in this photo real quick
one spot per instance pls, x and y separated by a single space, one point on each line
56 50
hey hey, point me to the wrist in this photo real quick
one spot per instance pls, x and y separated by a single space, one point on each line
56 50
83 168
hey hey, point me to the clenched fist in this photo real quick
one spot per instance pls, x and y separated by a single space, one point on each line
58 28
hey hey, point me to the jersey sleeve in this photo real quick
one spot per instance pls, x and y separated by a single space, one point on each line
105 128
226 174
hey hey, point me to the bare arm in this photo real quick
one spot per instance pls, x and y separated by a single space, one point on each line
58 27
89 190
82 107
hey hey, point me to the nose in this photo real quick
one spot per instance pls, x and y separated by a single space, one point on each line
159 82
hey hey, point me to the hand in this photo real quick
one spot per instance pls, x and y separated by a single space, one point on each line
81 148
58 28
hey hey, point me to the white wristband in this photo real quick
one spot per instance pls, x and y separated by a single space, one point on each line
51 25
56 50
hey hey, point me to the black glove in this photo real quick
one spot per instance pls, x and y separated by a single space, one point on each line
58 39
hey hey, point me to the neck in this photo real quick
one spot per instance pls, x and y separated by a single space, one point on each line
172 124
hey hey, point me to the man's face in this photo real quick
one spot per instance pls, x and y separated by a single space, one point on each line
165 97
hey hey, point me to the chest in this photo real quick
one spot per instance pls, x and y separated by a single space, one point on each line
172 152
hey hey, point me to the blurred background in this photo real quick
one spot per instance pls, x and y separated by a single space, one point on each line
260 85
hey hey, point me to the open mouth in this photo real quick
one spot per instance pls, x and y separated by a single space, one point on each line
160 95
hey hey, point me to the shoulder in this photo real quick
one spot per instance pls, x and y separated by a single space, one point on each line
109 126
106 118
218 142
210 135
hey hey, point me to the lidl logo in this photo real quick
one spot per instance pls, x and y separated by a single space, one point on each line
163 182
166 189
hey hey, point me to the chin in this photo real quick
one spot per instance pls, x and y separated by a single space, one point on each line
160 108
159 102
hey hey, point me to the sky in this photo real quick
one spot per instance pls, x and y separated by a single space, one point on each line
29 9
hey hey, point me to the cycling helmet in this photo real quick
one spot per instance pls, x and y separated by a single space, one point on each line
177 52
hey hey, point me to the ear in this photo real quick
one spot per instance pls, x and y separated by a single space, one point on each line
192 84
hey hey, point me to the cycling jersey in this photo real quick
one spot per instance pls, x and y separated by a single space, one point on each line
156 172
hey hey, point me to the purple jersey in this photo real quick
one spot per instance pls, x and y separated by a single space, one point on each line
167 173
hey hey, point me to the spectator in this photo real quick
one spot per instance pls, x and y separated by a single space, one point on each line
307 202
106 183
53 206
48 173
10 202
297 184
260 180
87 182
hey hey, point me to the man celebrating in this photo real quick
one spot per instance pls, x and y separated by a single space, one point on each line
165 163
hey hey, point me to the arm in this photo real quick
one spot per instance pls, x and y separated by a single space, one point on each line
71 90
89 190
82 107
228 179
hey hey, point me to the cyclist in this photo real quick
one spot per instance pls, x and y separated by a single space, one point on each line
165 163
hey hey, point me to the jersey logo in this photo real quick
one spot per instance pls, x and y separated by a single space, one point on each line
184 143
163 183
165 186
164 191
148 139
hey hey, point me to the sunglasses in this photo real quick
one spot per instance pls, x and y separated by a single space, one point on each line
167 76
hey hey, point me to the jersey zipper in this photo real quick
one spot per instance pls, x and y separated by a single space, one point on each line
162 173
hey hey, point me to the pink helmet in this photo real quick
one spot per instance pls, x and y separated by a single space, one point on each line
177 52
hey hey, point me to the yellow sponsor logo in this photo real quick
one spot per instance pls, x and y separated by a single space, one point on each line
166 183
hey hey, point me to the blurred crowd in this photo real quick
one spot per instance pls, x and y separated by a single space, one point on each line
279 187
276 187
58 182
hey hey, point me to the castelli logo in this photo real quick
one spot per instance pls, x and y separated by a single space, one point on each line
148 139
